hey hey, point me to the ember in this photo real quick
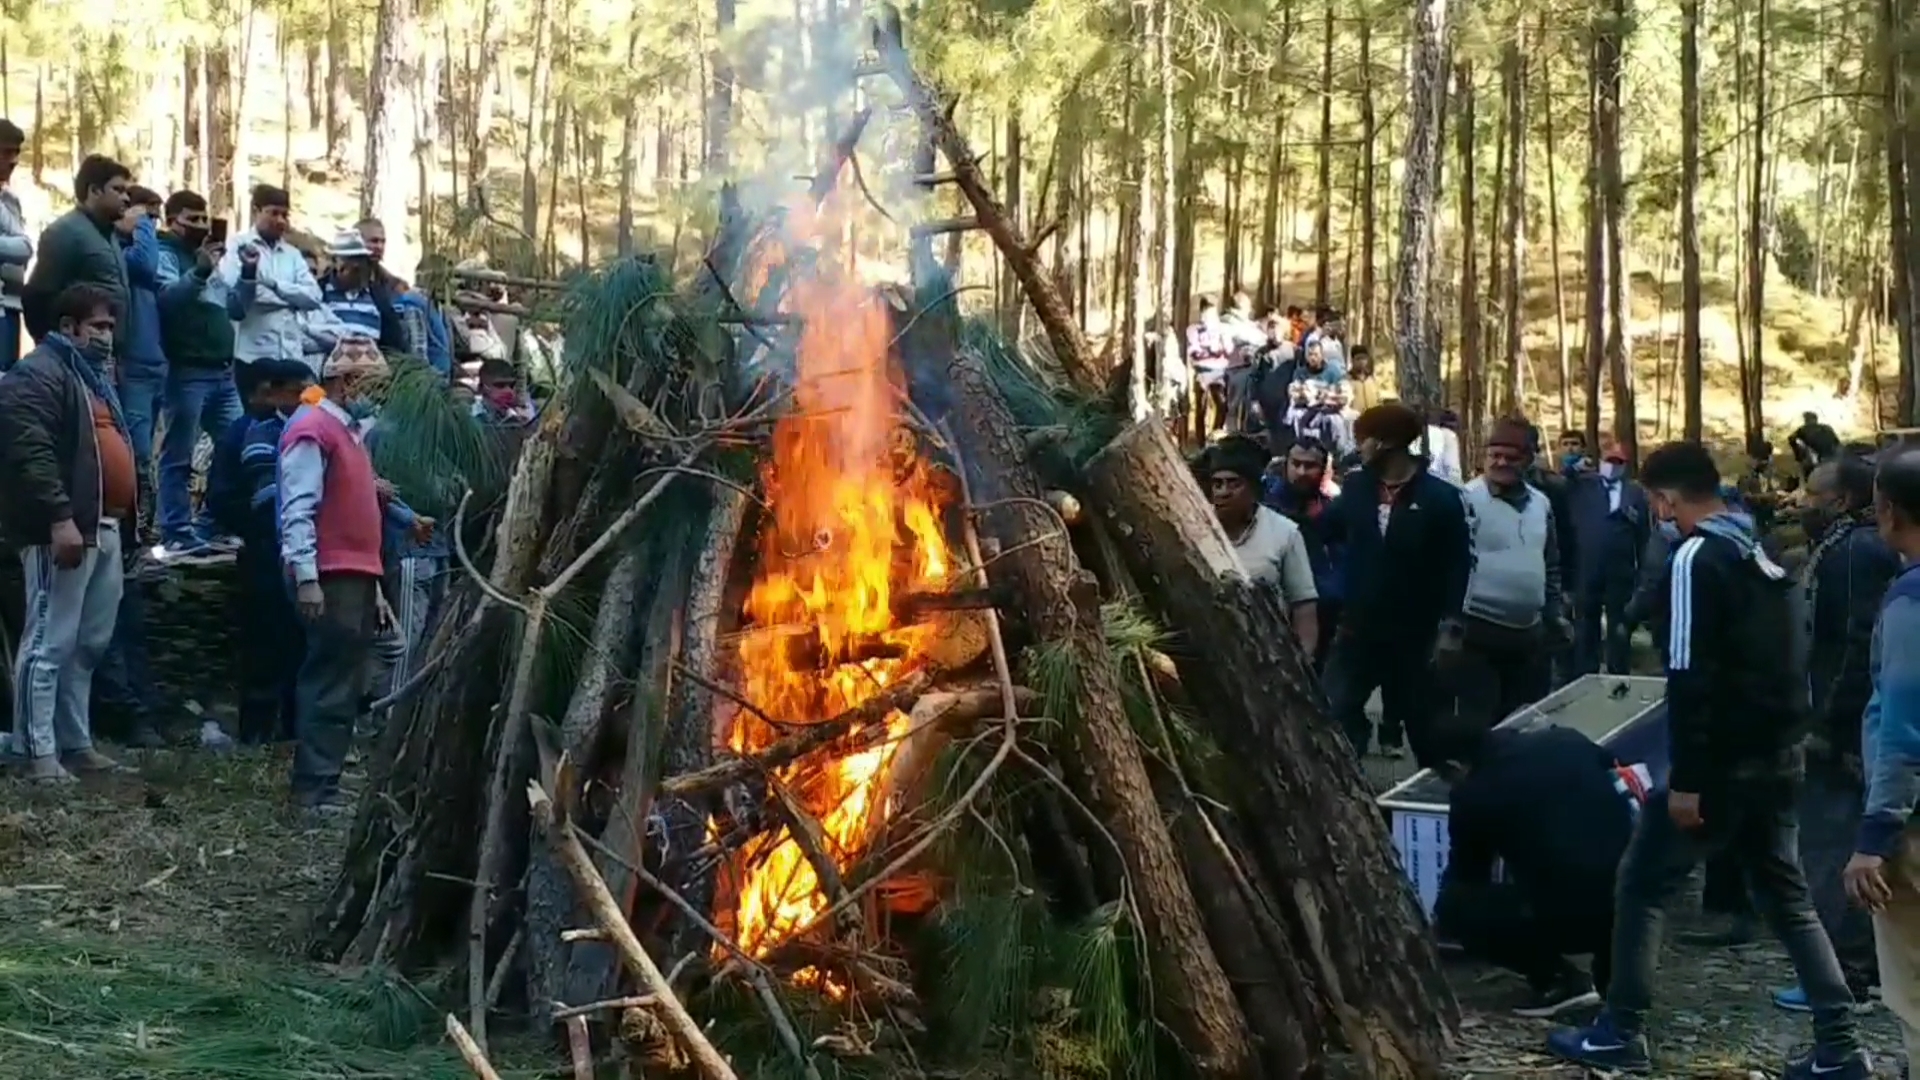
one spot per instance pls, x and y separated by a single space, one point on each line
855 524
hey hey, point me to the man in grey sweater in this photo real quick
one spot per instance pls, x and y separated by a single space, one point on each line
1513 615
16 250
80 247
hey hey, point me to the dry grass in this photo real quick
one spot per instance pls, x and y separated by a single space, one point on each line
153 926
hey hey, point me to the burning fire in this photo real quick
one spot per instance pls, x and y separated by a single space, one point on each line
855 521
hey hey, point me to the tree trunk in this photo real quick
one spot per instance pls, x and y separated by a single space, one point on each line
1323 210
239 162
629 147
1060 599
1473 391
1619 331
533 154
1596 268
1369 135
1512 290
1365 950
1753 384
339 98
394 98
1417 358
1009 301
1562 353
719 105
1691 371
480 107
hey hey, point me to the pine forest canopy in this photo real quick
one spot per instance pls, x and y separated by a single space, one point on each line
1273 141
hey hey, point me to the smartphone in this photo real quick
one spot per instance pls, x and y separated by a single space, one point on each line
217 232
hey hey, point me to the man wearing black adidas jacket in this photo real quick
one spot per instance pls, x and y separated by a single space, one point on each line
1736 708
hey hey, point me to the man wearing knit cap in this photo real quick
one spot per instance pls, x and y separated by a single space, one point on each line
1269 546
330 536
1404 533
1512 614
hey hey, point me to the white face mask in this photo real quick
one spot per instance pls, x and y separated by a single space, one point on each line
1612 470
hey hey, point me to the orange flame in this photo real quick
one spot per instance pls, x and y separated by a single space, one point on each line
855 517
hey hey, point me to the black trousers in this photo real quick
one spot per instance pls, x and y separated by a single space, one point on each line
1498 671
272 644
1502 924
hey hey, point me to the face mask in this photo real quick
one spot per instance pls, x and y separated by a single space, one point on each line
504 399
1570 460
359 408
1670 532
1612 470
193 238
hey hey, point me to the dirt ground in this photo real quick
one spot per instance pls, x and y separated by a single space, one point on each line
149 922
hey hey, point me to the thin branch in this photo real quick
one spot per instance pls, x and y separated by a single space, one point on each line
638 1001
470 1051
466 562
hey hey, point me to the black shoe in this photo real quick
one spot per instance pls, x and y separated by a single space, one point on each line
1572 990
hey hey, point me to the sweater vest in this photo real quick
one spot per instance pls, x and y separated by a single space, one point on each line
1508 584
347 522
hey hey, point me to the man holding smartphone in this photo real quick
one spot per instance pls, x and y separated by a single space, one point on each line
198 338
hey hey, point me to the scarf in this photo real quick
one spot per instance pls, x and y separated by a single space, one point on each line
92 377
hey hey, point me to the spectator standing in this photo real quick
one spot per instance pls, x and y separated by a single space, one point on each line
1303 494
426 330
1270 547
1209 351
351 290
1614 526
330 541
1736 697
1884 874
139 363
1513 615
267 284
1846 578
16 248
1404 536
67 489
80 248
201 395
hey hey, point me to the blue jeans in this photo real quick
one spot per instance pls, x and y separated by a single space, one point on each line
141 390
198 399
1752 820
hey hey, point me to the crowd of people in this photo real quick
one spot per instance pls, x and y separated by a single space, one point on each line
147 319
1792 698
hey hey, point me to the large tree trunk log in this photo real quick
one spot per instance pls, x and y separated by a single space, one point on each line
1191 994
1353 916
559 972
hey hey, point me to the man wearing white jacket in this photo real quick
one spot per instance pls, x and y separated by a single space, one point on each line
268 284
16 247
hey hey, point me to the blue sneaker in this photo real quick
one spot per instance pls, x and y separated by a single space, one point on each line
1825 1065
1792 999
1605 1046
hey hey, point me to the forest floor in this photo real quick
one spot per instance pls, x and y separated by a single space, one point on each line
153 926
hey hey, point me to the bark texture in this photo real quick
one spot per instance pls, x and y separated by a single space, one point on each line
1366 954
1061 600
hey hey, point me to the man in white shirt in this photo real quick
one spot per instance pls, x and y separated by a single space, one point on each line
268 284
16 248
1270 547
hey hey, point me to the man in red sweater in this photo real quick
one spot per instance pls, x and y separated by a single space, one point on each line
330 533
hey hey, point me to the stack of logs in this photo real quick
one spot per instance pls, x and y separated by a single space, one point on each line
1281 935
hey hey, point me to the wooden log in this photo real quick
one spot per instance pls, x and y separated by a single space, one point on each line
1069 343
1191 995
1365 948
558 972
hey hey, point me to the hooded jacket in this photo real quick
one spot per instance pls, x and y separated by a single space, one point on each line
1736 664
1846 579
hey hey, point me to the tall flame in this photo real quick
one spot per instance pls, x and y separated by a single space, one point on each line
854 519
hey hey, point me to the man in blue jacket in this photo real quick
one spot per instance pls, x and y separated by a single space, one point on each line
1884 874
201 394
1404 534
1613 524
141 363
